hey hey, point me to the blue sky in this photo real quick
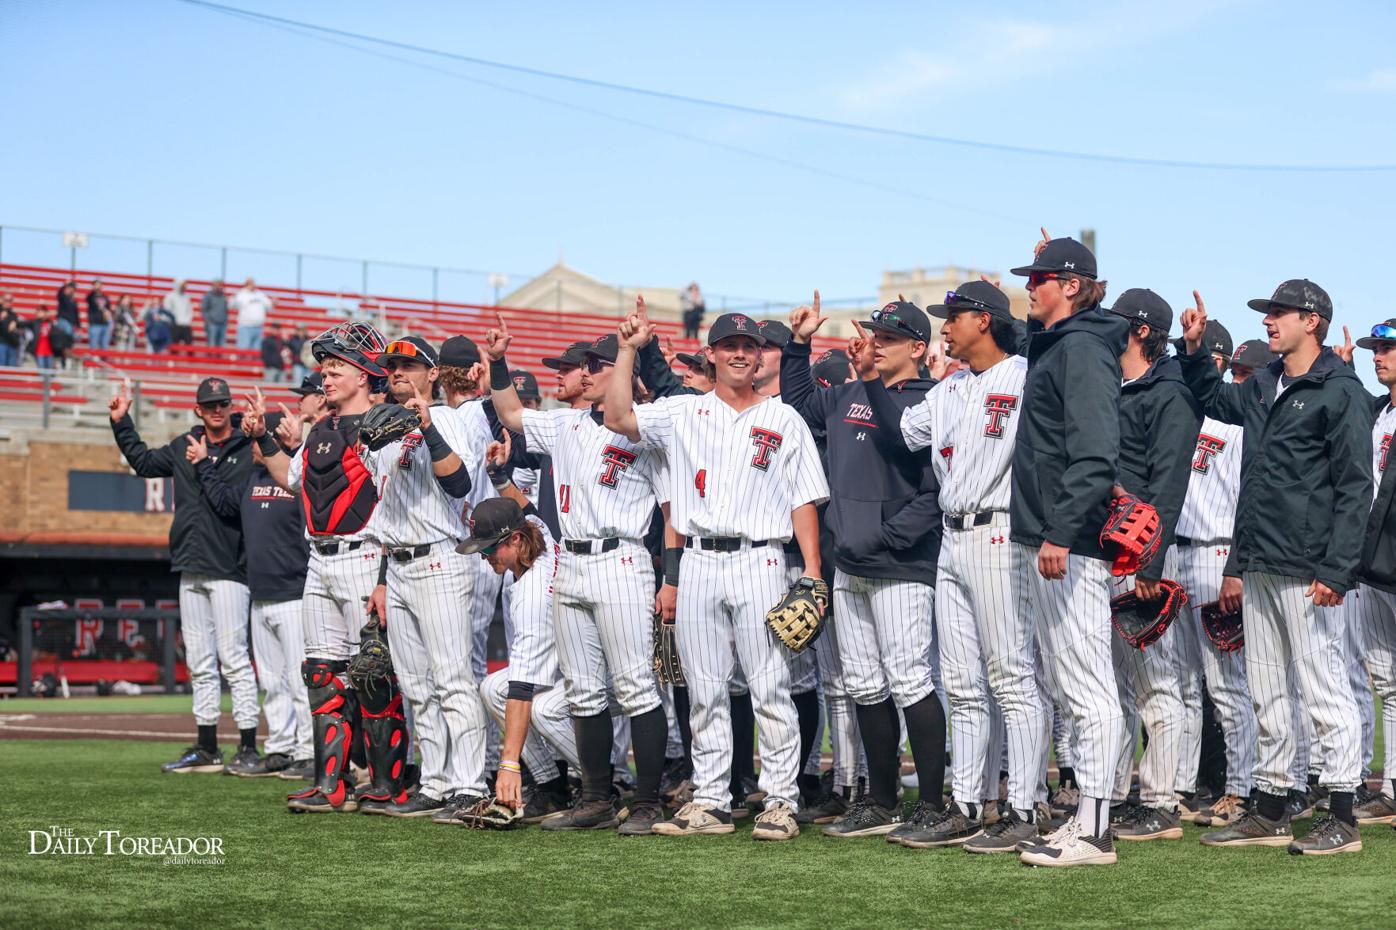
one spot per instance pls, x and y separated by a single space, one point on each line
154 117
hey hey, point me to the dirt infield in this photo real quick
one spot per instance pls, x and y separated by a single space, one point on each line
174 728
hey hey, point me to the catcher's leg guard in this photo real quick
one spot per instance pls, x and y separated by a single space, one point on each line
333 709
385 741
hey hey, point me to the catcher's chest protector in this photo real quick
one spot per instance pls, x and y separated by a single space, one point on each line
337 489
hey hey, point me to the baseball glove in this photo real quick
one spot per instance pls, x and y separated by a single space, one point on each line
387 423
372 668
667 667
488 814
1132 533
1224 630
798 619
1143 622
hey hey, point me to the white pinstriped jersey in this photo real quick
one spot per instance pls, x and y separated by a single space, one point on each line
606 485
533 649
971 423
1381 444
734 474
474 419
412 506
295 474
1209 509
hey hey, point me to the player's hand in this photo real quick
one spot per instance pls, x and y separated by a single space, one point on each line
636 330
1051 561
1147 590
666 602
377 604
937 362
987 280
671 354
421 406
1344 351
497 340
120 405
1194 321
508 788
805 320
497 452
288 431
254 421
1323 595
1230 599
860 354
197 450
1041 243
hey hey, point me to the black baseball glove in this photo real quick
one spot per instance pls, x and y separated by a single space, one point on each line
387 423
667 667
1224 630
372 668
1143 622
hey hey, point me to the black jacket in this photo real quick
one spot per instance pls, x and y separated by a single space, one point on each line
1378 566
1306 467
68 308
884 507
656 374
98 308
1066 458
1159 422
201 541
273 525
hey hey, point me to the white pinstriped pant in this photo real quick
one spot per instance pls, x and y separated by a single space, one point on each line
1289 642
845 743
1356 652
887 630
430 637
487 588
1376 616
804 678
278 644
1071 618
987 658
550 733
721 618
213 622
333 603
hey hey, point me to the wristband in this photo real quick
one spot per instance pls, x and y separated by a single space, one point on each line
507 766
383 569
671 565
500 379
499 476
436 443
267 445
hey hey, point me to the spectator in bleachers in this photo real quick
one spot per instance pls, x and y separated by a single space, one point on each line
47 340
253 307
181 308
213 307
273 359
69 317
11 332
124 324
296 340
98 317
159 327
691 300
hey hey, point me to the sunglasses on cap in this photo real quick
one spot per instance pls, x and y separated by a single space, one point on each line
1384 331
404 348
1038 278
955 301
594 364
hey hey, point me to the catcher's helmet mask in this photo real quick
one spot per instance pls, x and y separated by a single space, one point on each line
356 343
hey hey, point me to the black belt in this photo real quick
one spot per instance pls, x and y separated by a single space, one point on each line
408 553
722 543
965 521
333 548
590 546
1199 543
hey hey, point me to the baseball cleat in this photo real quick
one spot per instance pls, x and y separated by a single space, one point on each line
751 789
586 815
1379 809
1070 846
298 770
196 759
641 819
1300 804
268 766
776 822
693 820
683 794
1251 830
865 818
1149 823
1065 800
315 801
418 804
949 827
675 772
453 808
540 803
1191 807
1002 837
922 816
245 763
1224 811
827 809
1328 836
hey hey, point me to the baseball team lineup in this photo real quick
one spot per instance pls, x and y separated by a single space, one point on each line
1018 551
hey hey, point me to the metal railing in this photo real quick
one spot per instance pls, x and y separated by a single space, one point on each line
30 616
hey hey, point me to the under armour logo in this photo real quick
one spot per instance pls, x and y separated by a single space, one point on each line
861 436
1298 405
772 561
996 540
322 449
435 566
1068 264
703 412
627 560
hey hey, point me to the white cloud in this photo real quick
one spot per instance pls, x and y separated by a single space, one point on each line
1376 81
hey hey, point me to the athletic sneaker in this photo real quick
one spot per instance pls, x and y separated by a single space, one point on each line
1379 809
268 766
1328 836
865 818
418 804
196 759
1120 811
683 794
1002 837
453 807
1150 823
315 801
922 816
1253 829
641 819
1225 810
1071 846
298 770
776 822
1065 800
950 827
693 820
1190 807
586 815
672 777
830 807
540 803
1300 803
247 760
741 807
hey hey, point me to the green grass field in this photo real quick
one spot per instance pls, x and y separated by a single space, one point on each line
292 871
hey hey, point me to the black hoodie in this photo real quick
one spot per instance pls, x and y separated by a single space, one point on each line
1065 462
1306 466
273 525
1159 422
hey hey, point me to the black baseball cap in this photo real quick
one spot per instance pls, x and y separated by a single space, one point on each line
1253 353
901 318
1217 339
412 348
1142 304
1382 332
695 360
734 324
980 296
313 383
1297 294
573 355
605 348
776 333
212 391
491 523
1061 255
525 385
831 368
459 352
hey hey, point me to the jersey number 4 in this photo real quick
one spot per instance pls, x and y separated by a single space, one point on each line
700 481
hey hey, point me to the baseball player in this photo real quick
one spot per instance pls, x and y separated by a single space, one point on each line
1306 470
311 391
744 477
607 487
1064 466
207 551
526 386
969 422
277 552
885 521
1159 421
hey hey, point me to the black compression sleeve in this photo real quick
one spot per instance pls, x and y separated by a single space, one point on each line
499 375
520 691
436 443
383 569
457 483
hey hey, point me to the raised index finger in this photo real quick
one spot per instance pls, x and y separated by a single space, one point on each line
1197 299
1045 234
1347 337
816 301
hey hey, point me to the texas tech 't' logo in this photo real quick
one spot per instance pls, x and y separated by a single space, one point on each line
998 407
766 442
1208 448
617 461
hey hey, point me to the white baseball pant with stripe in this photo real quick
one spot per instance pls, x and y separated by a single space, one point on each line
1358 677
278 644
487 588
849 763
550 734
804 678
1377 620
333 603
213 623
1288 641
